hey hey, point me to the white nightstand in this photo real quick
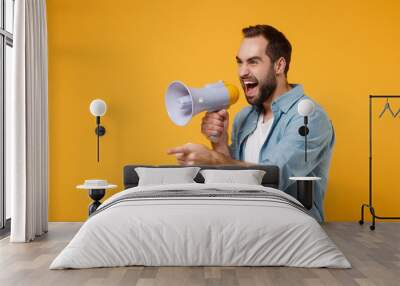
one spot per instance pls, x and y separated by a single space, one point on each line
97 190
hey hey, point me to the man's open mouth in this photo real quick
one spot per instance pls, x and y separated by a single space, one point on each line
250 86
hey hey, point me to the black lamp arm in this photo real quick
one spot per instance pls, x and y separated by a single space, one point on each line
305 138
303 131
100 131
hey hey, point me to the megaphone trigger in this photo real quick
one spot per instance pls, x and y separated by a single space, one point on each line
213 138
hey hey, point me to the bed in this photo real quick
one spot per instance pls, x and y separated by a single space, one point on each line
198 224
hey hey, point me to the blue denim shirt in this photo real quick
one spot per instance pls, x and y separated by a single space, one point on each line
284 147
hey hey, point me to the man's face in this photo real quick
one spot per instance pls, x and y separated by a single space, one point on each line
256 71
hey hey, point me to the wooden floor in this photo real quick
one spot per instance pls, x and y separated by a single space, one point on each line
375 257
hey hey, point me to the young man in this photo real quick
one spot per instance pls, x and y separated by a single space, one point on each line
266 131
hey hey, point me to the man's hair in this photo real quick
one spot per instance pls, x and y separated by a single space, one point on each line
278 46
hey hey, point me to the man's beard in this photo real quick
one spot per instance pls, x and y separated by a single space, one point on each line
266 90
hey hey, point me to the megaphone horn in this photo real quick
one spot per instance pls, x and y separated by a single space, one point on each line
183 102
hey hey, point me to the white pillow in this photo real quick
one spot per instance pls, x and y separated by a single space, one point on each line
161 176
248 177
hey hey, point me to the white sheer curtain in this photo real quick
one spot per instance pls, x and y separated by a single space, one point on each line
27 124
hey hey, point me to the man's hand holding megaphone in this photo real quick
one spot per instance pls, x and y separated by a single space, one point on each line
215 127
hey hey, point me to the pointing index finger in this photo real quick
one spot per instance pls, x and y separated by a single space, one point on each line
176 150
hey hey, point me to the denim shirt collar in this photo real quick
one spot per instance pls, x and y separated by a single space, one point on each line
289 98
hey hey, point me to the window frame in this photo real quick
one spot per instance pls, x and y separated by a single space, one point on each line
6 39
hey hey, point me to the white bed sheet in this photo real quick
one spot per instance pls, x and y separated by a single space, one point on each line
200 231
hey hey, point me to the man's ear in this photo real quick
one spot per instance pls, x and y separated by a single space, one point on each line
280 65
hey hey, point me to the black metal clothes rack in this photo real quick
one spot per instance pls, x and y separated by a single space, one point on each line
369 205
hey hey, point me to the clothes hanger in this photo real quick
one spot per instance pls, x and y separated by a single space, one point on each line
387 107
398 112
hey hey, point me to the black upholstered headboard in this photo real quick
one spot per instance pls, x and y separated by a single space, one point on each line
271 177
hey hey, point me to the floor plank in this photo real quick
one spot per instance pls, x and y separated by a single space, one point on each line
375 257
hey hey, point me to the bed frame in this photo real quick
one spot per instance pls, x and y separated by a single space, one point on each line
270 179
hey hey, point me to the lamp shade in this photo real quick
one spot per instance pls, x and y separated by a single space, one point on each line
98 107
305 107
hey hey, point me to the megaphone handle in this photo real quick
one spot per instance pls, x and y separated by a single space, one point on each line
213 138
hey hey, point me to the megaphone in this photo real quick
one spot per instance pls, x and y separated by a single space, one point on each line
183 102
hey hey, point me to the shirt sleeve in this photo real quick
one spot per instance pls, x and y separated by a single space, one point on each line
288 154
234 138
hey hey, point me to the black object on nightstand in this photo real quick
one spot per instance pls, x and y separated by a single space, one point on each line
96 195
97 190
305 189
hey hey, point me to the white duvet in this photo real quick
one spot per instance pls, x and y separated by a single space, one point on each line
200 231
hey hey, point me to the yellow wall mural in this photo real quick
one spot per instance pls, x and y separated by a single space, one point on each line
127 52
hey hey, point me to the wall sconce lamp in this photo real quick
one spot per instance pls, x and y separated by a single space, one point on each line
305 185
98 108
305 108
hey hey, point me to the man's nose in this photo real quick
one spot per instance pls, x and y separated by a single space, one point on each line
243 71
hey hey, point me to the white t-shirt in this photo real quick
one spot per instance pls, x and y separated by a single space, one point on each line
256 139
